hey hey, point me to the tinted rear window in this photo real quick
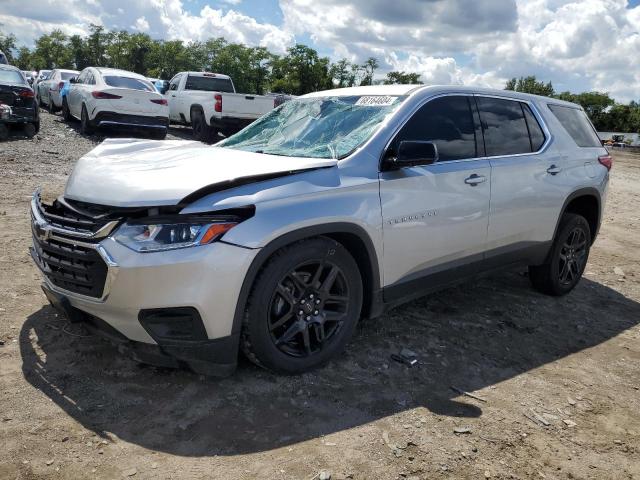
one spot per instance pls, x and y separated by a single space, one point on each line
447 122
535 131
127 82
577 124
67 75
505 129
209 84
11 76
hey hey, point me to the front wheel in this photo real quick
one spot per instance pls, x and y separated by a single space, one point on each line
567 260
66 114
303 308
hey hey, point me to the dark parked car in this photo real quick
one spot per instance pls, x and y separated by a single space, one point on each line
18 105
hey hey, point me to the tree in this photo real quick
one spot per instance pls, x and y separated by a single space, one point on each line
369 67
595 104
8 45
402 78
343 73
530 85
300 71
52 51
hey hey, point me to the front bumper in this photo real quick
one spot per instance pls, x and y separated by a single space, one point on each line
206 278
115 119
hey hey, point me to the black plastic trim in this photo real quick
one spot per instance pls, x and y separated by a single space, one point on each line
457 271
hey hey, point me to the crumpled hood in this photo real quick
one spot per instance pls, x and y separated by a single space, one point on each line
132 173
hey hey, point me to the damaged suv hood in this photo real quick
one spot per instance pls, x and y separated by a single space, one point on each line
134 173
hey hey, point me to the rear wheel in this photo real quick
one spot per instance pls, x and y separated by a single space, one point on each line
85 124
4 132
66 114
29 129
52 108
304 306
202 131
159 134
567 259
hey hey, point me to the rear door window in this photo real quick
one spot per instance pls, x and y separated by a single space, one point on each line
209 84
577 125
447 122
127 82
504 126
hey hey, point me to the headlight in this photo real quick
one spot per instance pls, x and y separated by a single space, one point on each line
154 237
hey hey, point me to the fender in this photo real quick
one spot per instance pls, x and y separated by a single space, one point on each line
581 192
374 306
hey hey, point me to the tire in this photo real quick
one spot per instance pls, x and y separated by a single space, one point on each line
30 129
85 124
4 132
52 108
161 135
567 259
303 307
202 131
66 114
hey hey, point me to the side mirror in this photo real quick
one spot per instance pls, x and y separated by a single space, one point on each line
412 153
73 80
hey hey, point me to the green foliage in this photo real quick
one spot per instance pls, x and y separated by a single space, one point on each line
368 68
300 71
404 78
8 45
530 85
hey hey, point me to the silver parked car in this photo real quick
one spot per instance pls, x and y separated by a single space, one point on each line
331 208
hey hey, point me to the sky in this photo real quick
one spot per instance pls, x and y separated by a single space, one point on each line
579 45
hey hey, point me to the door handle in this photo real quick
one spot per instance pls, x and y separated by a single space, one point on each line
173 96
475 179
554 170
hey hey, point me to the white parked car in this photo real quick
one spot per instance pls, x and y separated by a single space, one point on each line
210 104
106 97
49 89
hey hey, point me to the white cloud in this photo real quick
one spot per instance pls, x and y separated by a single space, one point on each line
141 25
577 44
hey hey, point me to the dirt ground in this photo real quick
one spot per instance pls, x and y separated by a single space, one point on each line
558 378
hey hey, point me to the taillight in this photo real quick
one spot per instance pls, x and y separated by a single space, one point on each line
105 96
218 106
60 85
159 101
27 93
606 160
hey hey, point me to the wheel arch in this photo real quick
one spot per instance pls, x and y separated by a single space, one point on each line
195 106
586 202
351 236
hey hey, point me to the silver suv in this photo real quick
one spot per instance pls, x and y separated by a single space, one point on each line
331 208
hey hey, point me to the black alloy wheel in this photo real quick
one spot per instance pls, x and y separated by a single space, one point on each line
567 257
303 307
573 257
308 308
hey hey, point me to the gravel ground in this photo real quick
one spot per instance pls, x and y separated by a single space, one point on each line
558 378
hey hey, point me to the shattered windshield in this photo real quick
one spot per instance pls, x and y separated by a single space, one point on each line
317 127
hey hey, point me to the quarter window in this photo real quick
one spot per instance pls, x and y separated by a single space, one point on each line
505 129
577 124
447 122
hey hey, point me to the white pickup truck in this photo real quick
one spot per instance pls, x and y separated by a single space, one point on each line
210 104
